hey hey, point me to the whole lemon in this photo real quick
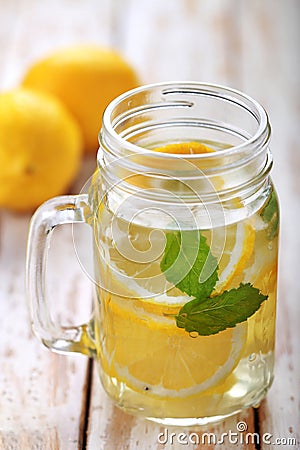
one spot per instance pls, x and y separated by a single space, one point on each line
40 148
86 79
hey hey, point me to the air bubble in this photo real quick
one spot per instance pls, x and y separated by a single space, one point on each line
194 334
252 357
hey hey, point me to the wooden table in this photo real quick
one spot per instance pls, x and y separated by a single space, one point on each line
50 401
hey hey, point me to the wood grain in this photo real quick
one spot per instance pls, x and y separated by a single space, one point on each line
41 393
272 54
182 40
253 46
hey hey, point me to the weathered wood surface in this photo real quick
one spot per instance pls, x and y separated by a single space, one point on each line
43 395
253 46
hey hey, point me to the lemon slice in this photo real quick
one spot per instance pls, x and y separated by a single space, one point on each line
262 273
144 181
142 345
237 250
184 148
261 326
133 279
232 250
131 263
148 352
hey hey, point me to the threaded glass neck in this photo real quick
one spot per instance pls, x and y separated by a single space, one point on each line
228 121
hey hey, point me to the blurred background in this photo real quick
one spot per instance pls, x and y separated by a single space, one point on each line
251 46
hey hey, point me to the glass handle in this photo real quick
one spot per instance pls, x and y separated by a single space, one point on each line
57 211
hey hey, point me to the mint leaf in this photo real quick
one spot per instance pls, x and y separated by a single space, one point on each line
187 258
270 215
189 264
211 315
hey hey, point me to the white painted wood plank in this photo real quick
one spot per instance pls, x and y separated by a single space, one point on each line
271 73
41 393
165 40
31 29
182 39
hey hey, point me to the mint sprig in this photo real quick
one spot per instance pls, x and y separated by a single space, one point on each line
214 314
206 314
189 264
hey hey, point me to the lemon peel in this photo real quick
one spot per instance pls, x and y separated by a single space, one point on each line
85 78
40 148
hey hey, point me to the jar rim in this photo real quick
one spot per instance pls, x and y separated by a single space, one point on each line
260 138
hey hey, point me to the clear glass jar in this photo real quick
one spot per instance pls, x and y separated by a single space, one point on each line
185 222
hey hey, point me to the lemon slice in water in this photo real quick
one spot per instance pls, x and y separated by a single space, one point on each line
238 247
142 345
148 352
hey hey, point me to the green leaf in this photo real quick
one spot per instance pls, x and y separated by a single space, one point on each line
189 264
212 315
270 215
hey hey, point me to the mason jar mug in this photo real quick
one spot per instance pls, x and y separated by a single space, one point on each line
185 231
